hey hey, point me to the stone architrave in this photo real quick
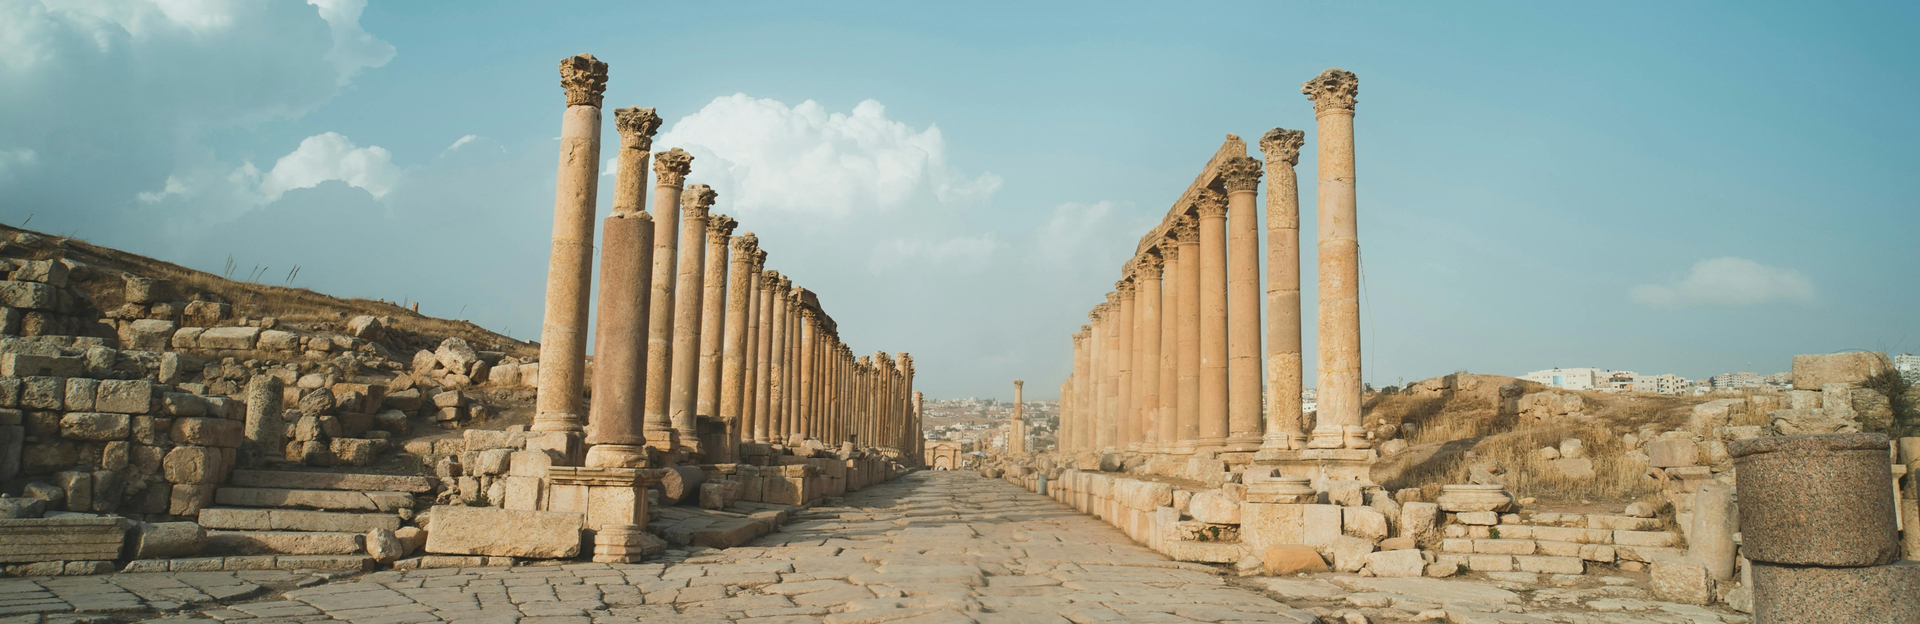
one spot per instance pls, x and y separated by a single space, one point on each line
688 292
563 329
1337 417
1147 367
713 316
670 170
1212 211
1017 429
1187 233
616 434
1127 419
1242 178
763 364
1286 374
1168 419
734 358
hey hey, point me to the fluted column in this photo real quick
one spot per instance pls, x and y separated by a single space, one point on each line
733 365
1187 235
616 436
1168 419
563 329
689 290
1242 177
1147 346
1212 209
713 317
1127 419
670 174
1285 369
1337 423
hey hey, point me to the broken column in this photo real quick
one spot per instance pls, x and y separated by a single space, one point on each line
1817 523
1337 419
616 435
670 174
563 329
1286 376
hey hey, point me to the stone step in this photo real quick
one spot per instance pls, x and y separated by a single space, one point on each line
254 519
284 543
335 500
286 479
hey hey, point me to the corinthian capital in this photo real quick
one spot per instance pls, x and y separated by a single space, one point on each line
1124 287
743 246
1282 146
719 227
759 255
1150 265
1186 230
1209 203
1334 90
1242 173
769 280
670 167
636 126
584 78
696 200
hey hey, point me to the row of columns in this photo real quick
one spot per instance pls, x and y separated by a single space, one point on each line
1173 361
690 323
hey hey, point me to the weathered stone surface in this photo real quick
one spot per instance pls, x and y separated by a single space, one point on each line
504 533
314 499
95 426
1397 563
1364 522
237 338
1816 500
1349 554
1887 593
167 540
215 432
1814 370
124 396
1681 581
284 543
1459 498
1290 559
1214 507
331 481
383 546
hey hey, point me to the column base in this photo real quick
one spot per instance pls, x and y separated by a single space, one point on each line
1327 439
617 456
1183 447
664 442
557 421
1321 465
570 445
1242 444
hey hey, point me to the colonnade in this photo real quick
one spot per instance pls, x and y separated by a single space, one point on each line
1173 361
691 327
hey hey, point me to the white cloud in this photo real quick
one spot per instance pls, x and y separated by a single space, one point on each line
329 156
964 253
18 159
765 155
1727 281
353 49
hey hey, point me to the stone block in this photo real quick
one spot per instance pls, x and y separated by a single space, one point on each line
1349 553
1418 520
1887 593
124 396
1322 524
1490 563
1461 498
95 426
504 533
1816 500
167 540
49 272
1397 563
1644 538
14 364
1672 453
147 335
43 393
1550 565
1477 518
79 488
1263 525
1213 507
1503 547
189 499
237 338
214 432
284 543
193 465
27 295
1364 522
1814 371
1681 581
79 394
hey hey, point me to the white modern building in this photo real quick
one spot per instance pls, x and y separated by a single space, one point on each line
1909 367
1735 381
1660 384
1571 378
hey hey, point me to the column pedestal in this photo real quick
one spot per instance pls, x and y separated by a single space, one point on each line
1321 465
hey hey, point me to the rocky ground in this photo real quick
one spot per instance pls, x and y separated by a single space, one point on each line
929 547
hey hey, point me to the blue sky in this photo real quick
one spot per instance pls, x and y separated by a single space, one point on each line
1688 188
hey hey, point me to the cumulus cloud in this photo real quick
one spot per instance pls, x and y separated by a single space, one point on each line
963 253
767 156
1727 281
329 156
353 49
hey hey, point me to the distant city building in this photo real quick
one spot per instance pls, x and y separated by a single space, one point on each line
1909 367
1571 378
1620 381
1735 381
1660 384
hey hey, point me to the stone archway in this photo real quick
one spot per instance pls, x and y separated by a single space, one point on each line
942 463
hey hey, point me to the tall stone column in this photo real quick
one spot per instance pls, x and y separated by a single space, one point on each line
750 387
616 435
792 406
1076 437
864 368
713 317
763 359
777 372
1168 419
919 429
1187 235
1242 177
733 365
1286 376
1103 374
1337 423
1147 345
688 293
904 399
1126 419
808 428
1016 430
1212 209
1066 407
670 174
563 329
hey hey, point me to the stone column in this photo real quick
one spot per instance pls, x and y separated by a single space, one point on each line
904 399
1168 419
1016 430
777 371
1076 437
670 173
1337 421
865 369
563 329
1286 377
1147 345
713 317
763 357
733 365
808 336
1187 234
1066 407
752 428
1212 210
1127 418
1102 375
919 430
616 435
791 406
688 293
1242 177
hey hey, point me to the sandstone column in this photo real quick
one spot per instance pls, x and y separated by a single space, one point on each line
1147 308
1076 438
733 368
1127 421
1337 423
670 173
1017 430
713 317
1168 419
616 435
791 406
1103 374
1286 376
763 357
1212 209
808 336
1187 233
563 329
904 399
1242 176
688 292
919 430
777 373
752 429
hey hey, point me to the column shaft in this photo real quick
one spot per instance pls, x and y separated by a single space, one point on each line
614 431
1168 419
670 172
1337 422
1189 342
689 290
563 328
733 366
1285 369
1213 319
777 379
763 359
713 317
1242 176
1128 420
1147 307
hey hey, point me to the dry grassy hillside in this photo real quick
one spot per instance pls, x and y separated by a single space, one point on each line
1486 424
